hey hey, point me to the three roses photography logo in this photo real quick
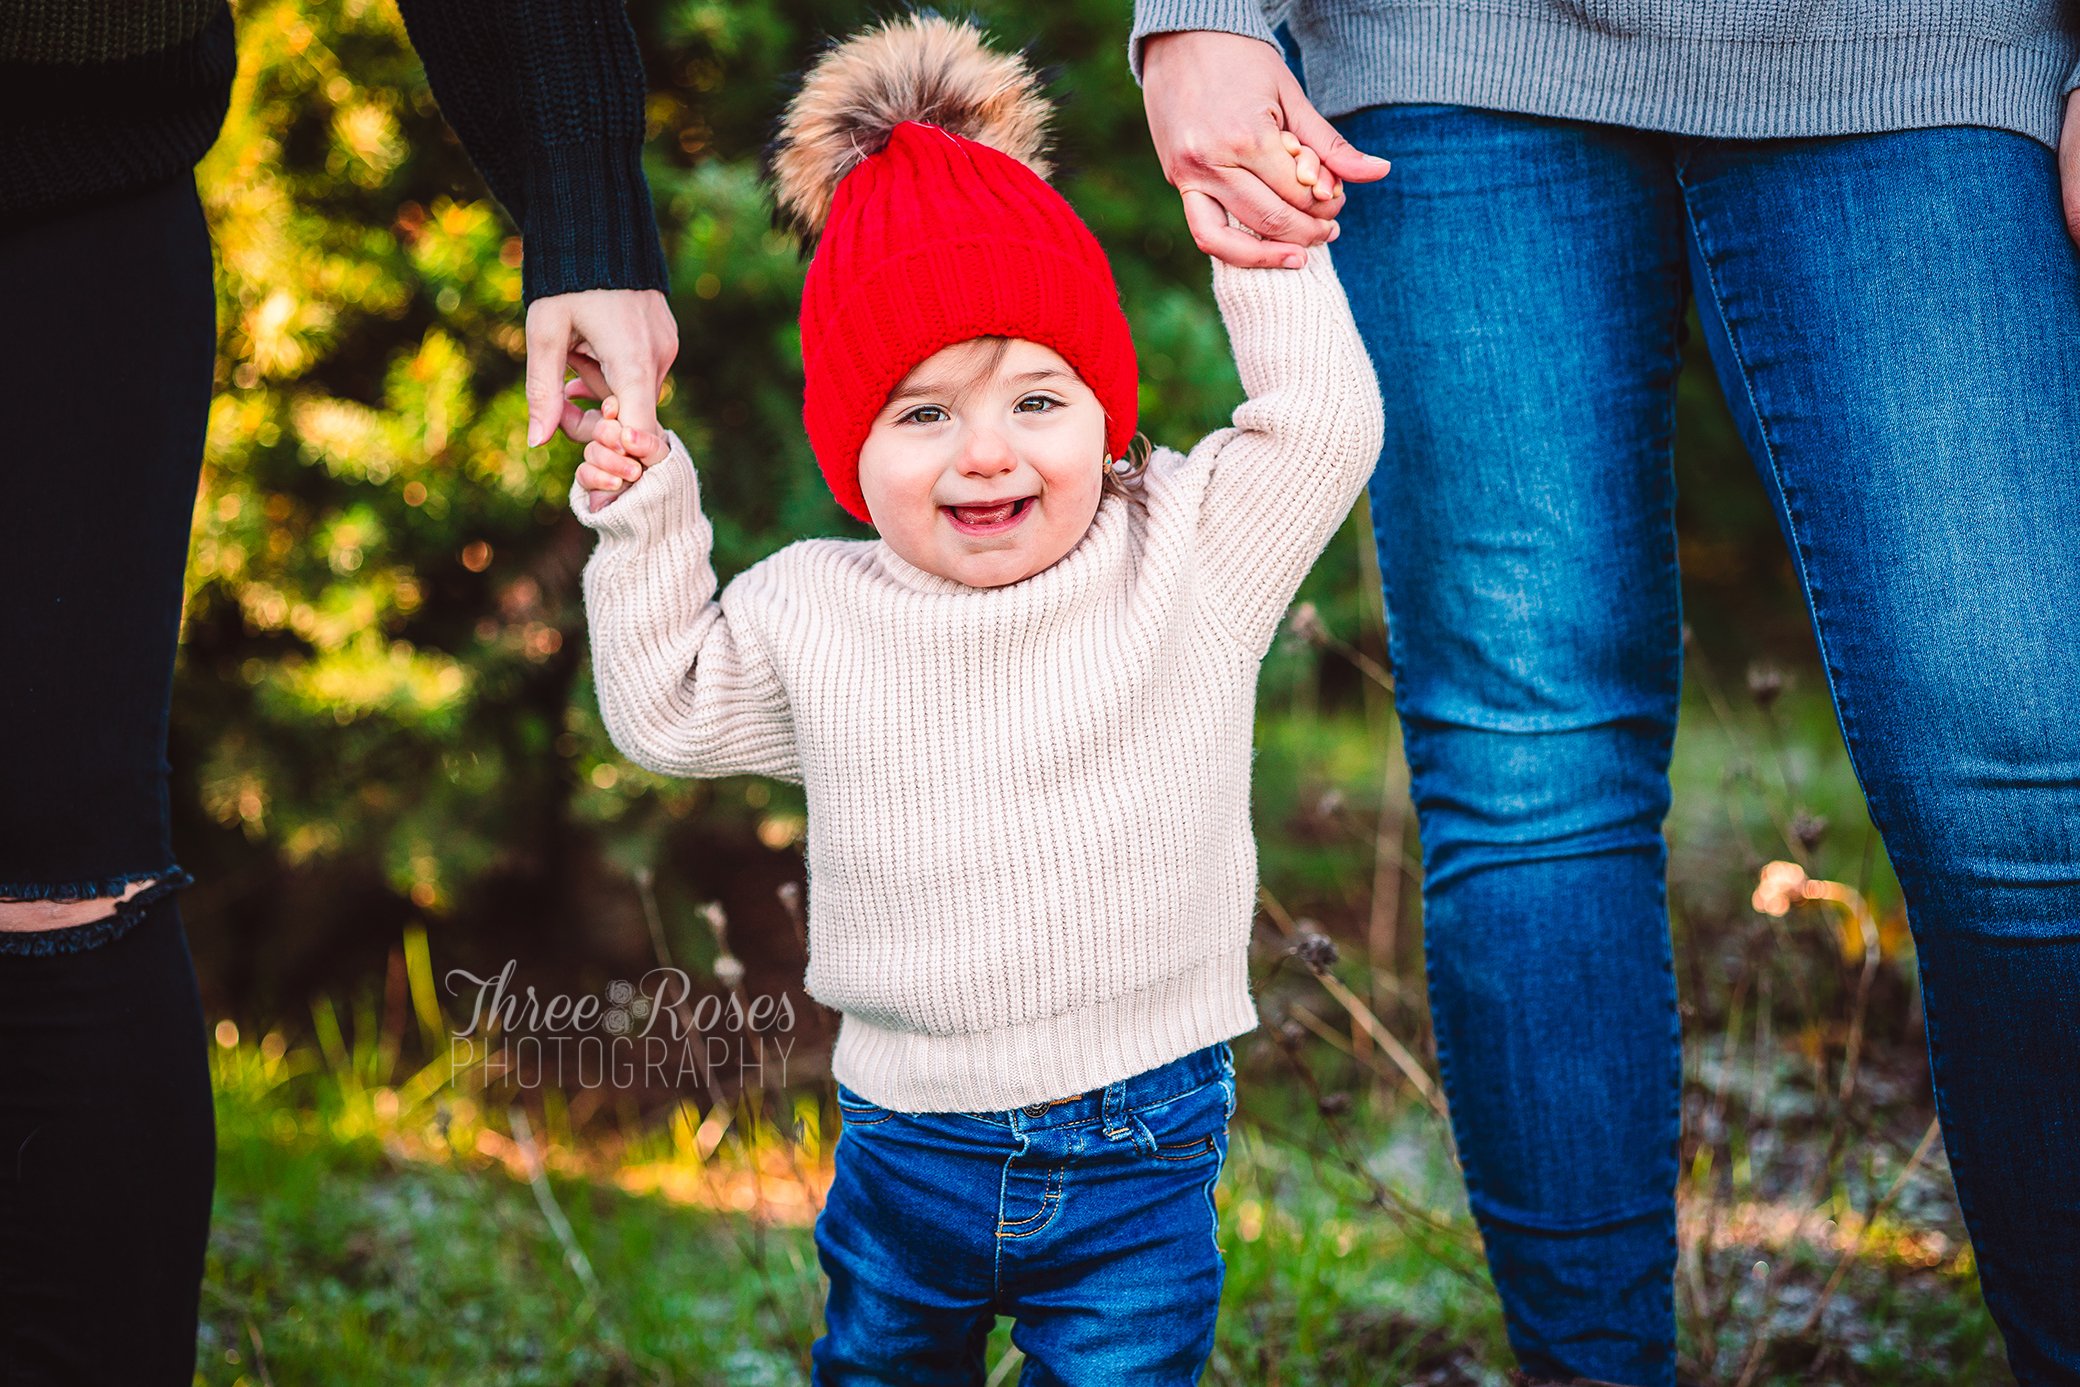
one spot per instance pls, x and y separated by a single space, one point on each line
653 1032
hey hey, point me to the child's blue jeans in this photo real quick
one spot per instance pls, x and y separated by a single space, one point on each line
1090 1220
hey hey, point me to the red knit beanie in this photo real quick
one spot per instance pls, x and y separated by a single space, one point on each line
934 231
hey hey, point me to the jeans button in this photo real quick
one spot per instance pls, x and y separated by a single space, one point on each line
1035 1109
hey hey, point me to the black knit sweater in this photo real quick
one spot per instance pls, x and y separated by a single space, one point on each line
101 96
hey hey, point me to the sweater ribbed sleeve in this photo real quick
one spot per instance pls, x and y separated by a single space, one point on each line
684 687
1302 445
1152 17
547 97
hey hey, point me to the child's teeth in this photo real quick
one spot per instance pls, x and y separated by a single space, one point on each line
985 515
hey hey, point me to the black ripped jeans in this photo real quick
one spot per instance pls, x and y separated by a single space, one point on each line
107 1136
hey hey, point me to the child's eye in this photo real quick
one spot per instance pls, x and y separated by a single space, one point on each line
913 417
1039 400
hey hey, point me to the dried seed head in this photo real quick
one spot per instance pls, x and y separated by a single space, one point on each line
1765 682
1306 624
1809 829
717 918
1334 1104
728 971
1290 1033
1316 950
790 894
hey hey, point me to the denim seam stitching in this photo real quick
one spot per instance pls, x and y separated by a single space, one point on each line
1792 512
850 1121
1050 1205
1844 706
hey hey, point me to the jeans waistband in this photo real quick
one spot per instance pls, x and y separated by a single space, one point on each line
1146 1089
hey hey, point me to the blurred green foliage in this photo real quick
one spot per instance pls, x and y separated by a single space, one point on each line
383 643
383 678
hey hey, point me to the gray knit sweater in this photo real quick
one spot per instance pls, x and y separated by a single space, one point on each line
1730 68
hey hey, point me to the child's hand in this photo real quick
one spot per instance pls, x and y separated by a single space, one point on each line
1311 177
1308 170
615 454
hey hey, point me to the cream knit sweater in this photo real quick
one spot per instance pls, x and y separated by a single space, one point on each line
1030 866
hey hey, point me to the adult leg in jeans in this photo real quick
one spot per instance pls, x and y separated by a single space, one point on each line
1520 284
107 1145
1896 320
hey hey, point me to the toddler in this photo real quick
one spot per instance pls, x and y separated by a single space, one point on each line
1022 715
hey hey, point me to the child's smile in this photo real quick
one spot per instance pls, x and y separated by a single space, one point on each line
986 463
989 519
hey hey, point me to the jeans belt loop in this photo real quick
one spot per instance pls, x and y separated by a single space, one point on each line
1115 1108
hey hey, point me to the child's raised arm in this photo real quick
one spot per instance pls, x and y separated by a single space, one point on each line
685 687
1301 446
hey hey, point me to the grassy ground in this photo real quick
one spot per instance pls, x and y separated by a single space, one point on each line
361 1238
378 1223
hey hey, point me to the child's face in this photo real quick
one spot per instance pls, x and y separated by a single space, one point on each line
986 464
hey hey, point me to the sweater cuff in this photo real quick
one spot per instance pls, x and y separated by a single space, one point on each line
651 506
1153 17
2066 88
589 222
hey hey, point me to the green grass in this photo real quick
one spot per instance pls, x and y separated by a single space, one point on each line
377 1222
363 1236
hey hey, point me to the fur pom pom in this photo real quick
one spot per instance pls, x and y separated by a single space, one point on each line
918 67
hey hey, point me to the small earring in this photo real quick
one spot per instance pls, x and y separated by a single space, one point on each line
1129 468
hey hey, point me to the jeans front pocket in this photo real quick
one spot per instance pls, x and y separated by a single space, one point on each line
856 1111
1191 1127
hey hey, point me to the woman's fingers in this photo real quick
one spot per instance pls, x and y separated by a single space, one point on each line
591 375
580 425
1265 191
548 347
1214 102
1211 232
612 338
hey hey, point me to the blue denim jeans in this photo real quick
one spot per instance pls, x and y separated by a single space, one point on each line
1895 319
1089 1219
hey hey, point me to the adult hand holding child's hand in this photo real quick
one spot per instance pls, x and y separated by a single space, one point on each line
1236 134
621 340
615 452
